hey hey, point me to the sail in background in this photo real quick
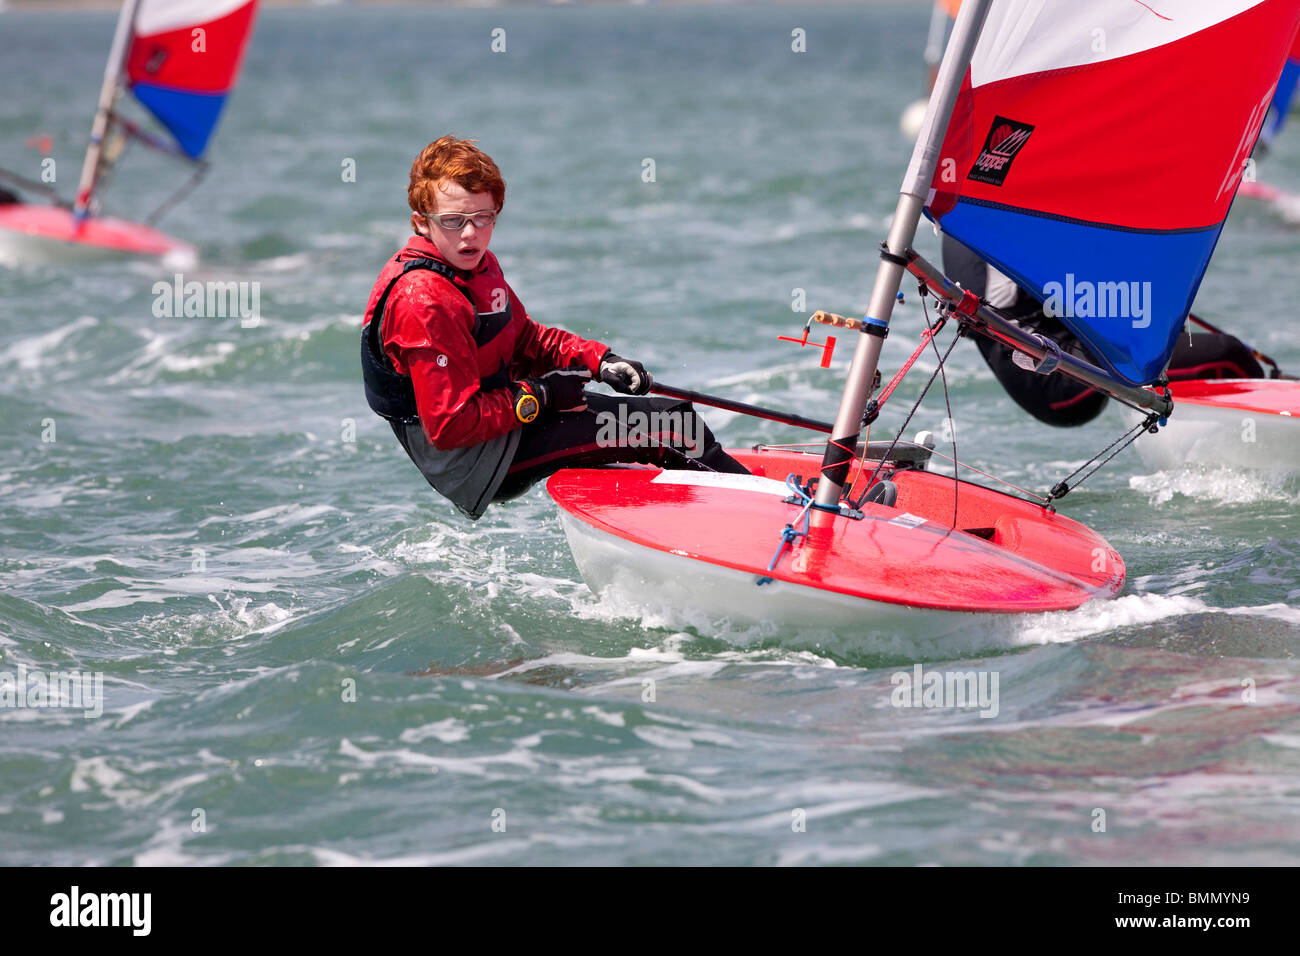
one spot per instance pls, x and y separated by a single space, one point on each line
1286 87
183 60
1095 150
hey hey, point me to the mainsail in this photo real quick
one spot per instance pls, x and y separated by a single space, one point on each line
1095 150
183 60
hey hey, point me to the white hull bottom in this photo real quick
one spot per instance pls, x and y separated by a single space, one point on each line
1223 437
19 250
669 590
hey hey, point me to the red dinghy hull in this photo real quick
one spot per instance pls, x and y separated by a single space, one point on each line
1246 422
707 538
30 234
1266 396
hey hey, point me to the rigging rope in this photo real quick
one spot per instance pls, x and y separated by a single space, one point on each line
185 189
1063 487
872 411
952 426
788 533
991 477
902 428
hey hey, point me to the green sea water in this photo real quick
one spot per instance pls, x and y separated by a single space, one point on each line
307 657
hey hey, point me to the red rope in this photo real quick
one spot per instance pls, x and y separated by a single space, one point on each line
926 336
851 451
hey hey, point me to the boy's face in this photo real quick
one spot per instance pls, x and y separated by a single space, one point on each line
463 247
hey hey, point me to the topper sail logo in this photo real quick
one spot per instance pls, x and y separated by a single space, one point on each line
157 57
1005 140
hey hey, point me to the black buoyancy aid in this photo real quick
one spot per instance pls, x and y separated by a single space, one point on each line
389 393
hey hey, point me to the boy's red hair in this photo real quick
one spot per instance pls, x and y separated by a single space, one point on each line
458 161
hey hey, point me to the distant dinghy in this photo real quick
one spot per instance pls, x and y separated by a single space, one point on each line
1251 423
941 14
180 60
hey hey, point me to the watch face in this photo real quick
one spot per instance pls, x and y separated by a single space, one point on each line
526 408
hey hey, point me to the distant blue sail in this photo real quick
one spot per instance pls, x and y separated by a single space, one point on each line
1282 96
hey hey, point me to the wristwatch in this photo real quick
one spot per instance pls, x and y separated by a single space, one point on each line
526 407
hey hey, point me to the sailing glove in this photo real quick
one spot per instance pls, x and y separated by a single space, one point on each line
624 375
561 390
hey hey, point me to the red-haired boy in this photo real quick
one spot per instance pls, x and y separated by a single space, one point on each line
486 401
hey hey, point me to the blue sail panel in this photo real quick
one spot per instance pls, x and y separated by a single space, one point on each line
1281 105
190 117
1123 292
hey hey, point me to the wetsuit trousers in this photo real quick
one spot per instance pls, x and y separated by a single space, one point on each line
616 429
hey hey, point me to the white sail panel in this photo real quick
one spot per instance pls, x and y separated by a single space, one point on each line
159 16
1021 37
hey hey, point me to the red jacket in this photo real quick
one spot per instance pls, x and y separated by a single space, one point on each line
429 333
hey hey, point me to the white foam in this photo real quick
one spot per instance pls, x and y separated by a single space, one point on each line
447 731
1224 486
213 354
157 347
827 855
96 775
820 799
491 848
1100 617
665 738
611 718
519 756
283 514
502 847
166 845
294 262
713 795
130 712
39 350
669 662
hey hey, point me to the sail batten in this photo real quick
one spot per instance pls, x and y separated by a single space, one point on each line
183 61
1095 151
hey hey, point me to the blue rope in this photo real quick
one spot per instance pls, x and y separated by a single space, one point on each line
803 494
788 534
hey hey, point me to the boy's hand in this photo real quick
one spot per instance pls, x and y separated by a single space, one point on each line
561 390
624 375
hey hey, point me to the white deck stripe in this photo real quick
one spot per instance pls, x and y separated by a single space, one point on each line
713 479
